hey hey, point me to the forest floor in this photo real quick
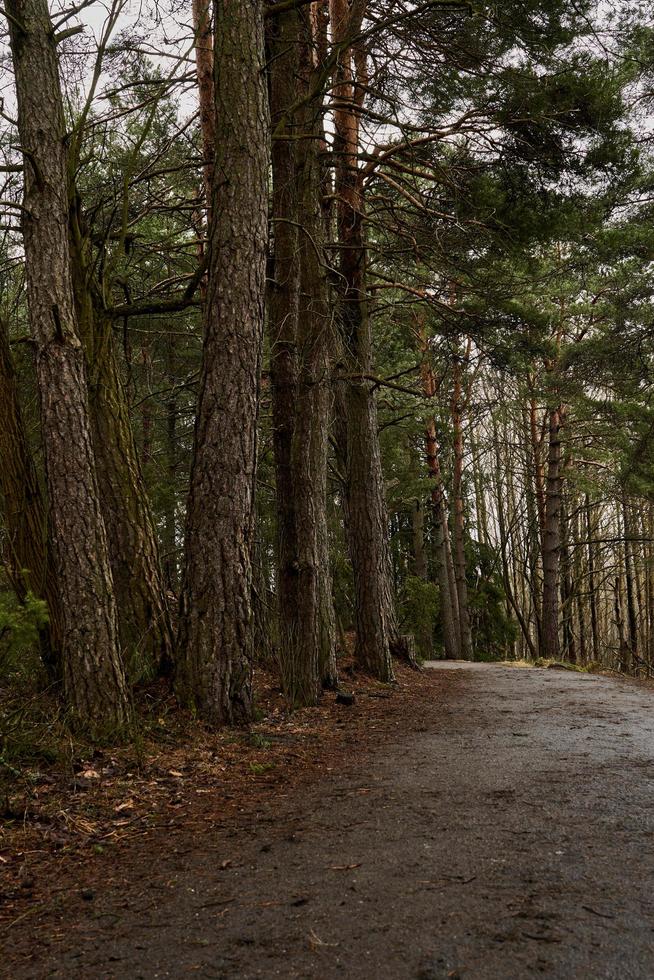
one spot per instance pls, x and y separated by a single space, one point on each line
483 822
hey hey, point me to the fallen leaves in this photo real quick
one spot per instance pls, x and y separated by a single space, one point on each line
127 805
185 777
90 774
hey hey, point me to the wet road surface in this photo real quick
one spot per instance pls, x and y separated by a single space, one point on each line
512 837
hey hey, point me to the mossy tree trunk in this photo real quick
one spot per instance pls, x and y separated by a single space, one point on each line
94 680
143 613
26 554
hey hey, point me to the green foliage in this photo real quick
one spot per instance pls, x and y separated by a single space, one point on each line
419 604
258 741
494 631
20 624
259 768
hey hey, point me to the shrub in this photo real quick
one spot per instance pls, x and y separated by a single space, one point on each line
419 607
20 624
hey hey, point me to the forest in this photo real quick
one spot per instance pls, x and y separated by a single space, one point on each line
355 342
326 351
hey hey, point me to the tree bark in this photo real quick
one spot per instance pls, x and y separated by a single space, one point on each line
316 344
300 324
448 618
550 648
143 613
535 504
509 587
623 646
283 307
536 458
169 535
649 589
577 579
26 554
481 511
94 681
216 624
592 592
449 621
418 540
203 44
567 589
459 518
629 573
367 520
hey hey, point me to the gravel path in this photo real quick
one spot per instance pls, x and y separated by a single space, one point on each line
512 837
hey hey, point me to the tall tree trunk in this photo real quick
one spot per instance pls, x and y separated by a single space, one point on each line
517 545
169 534
447 596
458 518
26 555
265 647
449 622
481 511
216 624
283 307
143 613
316 343
577 580
535 506
94 681
650 585
552 541
592 592
203 44
509 588
536 458
639 560
623 646
419 568
629 573
300 371
451 574
567 589
367 520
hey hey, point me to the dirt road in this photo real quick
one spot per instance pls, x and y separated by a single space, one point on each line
512 837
